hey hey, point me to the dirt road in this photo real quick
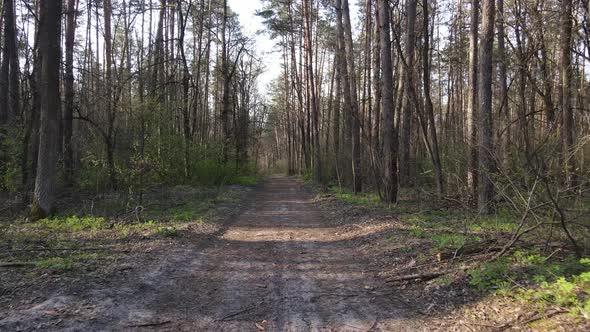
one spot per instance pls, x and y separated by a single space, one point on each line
279 265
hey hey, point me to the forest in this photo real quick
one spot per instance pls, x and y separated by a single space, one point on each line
455 129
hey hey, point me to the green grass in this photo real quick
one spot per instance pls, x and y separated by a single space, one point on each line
418 232
67 263
55 263
449 241
362 199
530 277
245 180
73 223
169 232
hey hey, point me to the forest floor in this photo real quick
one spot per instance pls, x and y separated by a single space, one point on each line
275 257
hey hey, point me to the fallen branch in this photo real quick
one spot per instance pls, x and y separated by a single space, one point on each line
532 319
422 276
151 324
543 316
236 314
16 264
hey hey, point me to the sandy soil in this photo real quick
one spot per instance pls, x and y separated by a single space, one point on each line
280 265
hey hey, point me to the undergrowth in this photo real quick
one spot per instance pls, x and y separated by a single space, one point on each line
59 243
530 277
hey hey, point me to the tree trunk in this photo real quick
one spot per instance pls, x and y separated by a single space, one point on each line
312 97
503 84
390 177
472 124
346 88
49 48
9 83
486 153
355 125
428 108
566 83
69 91
406 121
110 137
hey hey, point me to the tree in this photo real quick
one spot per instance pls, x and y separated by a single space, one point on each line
317 166
49 49
565 64
388 132
428 107
69 89
351 78
9 84
410 84
110 109
486 153
472 176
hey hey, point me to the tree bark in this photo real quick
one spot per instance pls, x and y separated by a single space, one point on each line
406 121
472 124
9 83
317 167
428 108
486 153
49 49
566 98
502 76
356 125
69 91
389 135
110 111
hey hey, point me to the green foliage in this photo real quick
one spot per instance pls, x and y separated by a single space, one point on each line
452 241
245 180
417 232
162 163
11 148
490 275
55 263
503 221
361 199
563 283
445 280
572 293
167 232
307 176
73 223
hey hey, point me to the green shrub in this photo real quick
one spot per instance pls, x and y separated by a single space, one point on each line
453 241
489 275
362 199
73 223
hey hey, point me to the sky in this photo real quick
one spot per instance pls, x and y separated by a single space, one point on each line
270 54
264 45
